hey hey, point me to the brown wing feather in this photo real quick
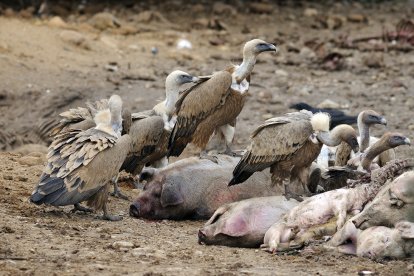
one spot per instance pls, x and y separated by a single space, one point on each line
197 104
342 154
274 141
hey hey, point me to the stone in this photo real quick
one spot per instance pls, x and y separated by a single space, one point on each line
57 22
329 104
309 12
74 38
122 245
261 7
356 18
30 161
281 73
104 20
223 9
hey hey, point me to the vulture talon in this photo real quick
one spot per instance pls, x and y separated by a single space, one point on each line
111 217
78 207
212 158
117 192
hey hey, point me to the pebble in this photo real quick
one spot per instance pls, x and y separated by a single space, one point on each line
122 245
261 7
310 12
221 8
281 73
57 22
74 38
198 253
7 177
30 160
148 252
328 104
356 18
104 20
307 53
411 127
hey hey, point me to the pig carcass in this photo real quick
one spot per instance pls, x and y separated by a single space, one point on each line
377 242
326 213
244 223
194 188
394 203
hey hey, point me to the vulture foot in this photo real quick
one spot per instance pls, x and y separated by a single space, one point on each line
109 217
78 207
290 195
314 179
205 155
117 192
231 153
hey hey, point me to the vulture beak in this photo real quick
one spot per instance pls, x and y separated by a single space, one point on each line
266 47
189 78
383 121
195 79
407 141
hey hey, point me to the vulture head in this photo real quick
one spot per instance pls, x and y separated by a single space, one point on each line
115 107
257 46
177 78
370 117
393 139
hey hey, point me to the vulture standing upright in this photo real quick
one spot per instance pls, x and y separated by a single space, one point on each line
81 164
151 129
214 104
366 119
288 145
340 155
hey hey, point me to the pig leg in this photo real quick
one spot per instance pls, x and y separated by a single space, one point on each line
348 232
278 237
117 192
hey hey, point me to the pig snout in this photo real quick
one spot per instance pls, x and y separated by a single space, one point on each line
201 236
134 209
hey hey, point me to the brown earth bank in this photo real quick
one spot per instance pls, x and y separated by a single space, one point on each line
49 64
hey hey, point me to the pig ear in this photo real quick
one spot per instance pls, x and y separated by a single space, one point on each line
406 229
147 174
217 214
234 227
171 195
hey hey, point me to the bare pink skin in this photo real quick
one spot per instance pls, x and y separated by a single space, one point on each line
194 188
394 203
377 242
316 210
244 223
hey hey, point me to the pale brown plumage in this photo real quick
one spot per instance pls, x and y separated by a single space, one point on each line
366 119
284 144
80 166
214 103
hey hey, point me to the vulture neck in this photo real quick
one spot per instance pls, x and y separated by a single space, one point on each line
330 138
245 68
171 94
364 134
116 123
375 150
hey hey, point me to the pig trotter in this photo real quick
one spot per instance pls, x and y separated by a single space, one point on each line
109 217
78 207
117 192
205 155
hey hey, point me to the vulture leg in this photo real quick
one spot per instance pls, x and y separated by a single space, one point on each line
117 192
304 180
107 216
288 193
78 207
314 179
205 155
228 133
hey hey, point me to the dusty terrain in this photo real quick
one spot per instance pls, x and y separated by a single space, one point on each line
47 66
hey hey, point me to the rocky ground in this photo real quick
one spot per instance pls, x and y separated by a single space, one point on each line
49 64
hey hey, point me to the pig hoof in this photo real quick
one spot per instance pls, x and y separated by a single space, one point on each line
79 207
111 217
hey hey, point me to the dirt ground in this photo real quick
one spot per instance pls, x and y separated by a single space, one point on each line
48 65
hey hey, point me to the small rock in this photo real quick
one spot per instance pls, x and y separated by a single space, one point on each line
30 161
7 177
374 60
329 104
8 12
57 22
22 178
198 253
223 9
410 267
409 102
184 44
31 148
104 20
74 38
261 7
99 266
122 245
309 12
281 73
148 252
307 53
265 96
411 127
356 18
127 30
200 23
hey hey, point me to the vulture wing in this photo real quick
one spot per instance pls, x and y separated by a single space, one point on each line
196 104
275 140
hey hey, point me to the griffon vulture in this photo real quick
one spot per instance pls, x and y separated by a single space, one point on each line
336 177
214 104
288 145
81 164
151 129
341 154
